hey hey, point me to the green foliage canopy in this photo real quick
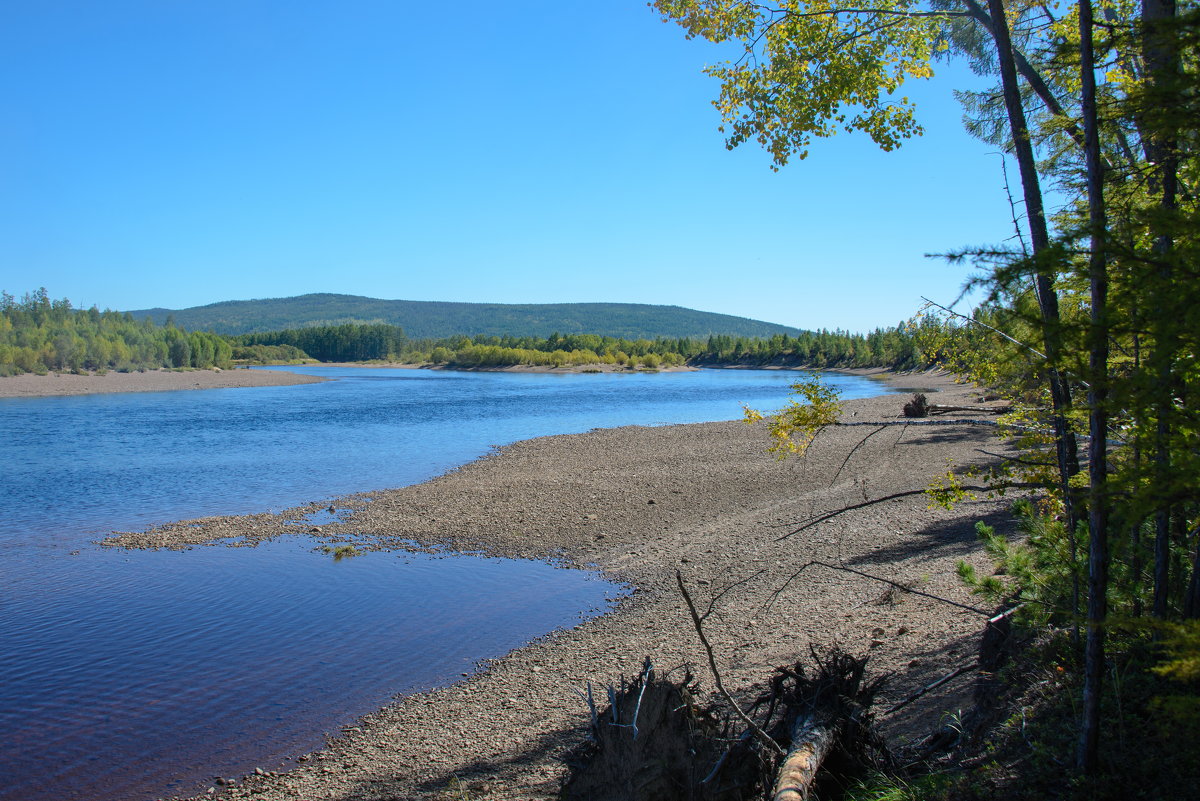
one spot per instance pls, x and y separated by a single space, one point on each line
809 69
38 335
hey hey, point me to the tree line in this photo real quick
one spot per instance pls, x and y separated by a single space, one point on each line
440 319
349 342
894 348
38 334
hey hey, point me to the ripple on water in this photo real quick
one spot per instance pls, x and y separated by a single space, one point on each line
126 675
243 655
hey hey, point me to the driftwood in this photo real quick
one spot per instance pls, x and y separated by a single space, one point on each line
919 406
655 742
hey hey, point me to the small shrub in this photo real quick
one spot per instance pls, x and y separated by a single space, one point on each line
341 552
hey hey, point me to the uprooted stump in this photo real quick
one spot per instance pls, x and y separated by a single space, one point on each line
655 741
826 715
917 407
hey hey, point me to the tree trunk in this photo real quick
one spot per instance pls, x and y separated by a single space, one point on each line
1191 600
1060 394
1162 526
812 741
1160 54
1098 555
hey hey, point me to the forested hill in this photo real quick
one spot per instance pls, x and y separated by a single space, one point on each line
437 319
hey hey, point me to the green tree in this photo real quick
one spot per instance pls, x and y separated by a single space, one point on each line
1104 110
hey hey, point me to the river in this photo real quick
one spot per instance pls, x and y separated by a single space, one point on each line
132 675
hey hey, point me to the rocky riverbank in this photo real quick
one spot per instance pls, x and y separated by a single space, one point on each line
641 503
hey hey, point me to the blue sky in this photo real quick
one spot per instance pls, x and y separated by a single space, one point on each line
181 152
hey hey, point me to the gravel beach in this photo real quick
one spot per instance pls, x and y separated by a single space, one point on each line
641 503
34 386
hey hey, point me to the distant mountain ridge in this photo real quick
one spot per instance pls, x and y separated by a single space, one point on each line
438 319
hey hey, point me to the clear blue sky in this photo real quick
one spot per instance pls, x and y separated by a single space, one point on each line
181 152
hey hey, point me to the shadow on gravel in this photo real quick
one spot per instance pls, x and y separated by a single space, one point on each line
929 435
482 777
946 538
940 706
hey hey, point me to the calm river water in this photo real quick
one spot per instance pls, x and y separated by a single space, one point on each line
132 675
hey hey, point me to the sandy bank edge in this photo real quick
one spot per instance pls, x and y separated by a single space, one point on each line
52 384
719 507
514 368
58 384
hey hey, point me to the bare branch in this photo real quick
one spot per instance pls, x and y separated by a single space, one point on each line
1012 205
894 496
1015 459
713 602
846 461
973 321
763 738
895 584
928 688
888 11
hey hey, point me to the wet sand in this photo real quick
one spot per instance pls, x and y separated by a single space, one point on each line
33 386
641 503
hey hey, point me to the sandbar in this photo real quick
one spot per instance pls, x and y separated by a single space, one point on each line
33 386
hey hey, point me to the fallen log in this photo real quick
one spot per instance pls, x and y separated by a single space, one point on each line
812 741
656 742
939 408
832 716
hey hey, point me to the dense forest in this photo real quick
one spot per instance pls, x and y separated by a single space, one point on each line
38 335
891 347
348 342
440 319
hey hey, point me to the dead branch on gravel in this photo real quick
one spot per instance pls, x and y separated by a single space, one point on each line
1016 459
821 518
928 688
758 733
919 406
937 408
957 421
995 639
712 602
896 584
969 422
851 453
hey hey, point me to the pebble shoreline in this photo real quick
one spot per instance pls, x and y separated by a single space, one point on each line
52 384
640 503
